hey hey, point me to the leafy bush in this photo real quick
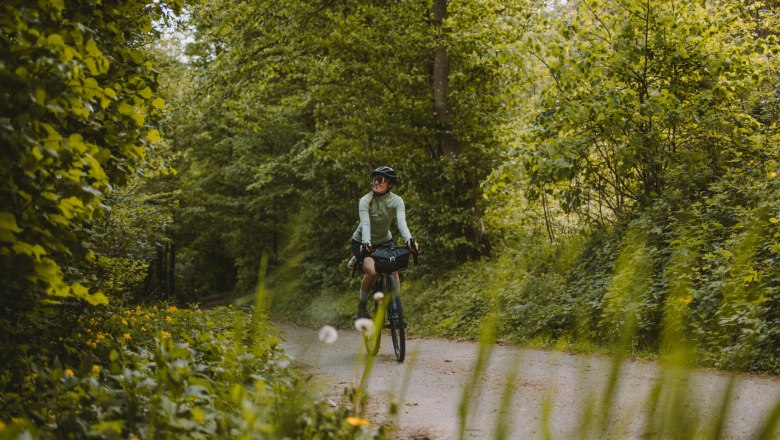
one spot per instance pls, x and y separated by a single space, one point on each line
702 274
164 372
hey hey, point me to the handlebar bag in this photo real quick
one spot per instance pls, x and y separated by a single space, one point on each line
389 260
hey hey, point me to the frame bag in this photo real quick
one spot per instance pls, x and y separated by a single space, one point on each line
389 260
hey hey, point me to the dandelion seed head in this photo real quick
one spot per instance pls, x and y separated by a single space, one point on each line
365 326
328 334
378 296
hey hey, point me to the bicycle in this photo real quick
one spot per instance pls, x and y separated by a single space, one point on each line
386 311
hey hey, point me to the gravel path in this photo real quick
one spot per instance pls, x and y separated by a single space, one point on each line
551 386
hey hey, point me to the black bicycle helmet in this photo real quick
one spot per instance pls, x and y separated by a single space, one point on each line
387 172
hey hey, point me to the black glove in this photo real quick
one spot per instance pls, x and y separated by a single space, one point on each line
365 248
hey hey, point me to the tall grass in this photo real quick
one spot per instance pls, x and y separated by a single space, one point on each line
670 410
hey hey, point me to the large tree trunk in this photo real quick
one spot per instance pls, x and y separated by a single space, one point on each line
449 145
441 70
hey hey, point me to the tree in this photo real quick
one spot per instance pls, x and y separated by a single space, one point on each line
77 120
643 97
297 102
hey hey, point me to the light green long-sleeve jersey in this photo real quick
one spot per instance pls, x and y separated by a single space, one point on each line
376 213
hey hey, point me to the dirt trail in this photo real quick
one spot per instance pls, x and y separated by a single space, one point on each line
429 386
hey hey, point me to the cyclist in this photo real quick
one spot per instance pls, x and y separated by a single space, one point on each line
376 210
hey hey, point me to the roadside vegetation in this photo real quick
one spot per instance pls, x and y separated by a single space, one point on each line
589 175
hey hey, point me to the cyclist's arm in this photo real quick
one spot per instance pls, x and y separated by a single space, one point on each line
365 221
400 213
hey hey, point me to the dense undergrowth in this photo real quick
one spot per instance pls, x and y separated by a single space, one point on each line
703 276
162 372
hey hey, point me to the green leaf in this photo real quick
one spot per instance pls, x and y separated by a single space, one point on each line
153 136
8 228
35 251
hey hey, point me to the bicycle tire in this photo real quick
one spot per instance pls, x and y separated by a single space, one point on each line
372 306
395 315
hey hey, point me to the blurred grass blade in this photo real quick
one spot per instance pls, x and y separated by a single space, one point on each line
769 430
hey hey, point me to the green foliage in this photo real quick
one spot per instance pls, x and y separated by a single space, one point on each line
164 372
285 123
721 300
78 120
642 97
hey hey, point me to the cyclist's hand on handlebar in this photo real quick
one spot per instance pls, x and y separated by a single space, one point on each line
366 248
413 246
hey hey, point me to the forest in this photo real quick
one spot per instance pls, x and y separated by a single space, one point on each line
175 174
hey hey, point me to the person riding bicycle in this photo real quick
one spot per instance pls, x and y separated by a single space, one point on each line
376 211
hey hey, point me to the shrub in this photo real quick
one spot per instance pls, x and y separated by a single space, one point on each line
165 372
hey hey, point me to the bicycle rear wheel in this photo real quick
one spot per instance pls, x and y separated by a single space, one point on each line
395 315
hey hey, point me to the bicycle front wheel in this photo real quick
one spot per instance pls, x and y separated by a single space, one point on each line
395 315
372 340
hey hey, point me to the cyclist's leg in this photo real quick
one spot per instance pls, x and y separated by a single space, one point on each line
370 275
396 280
369 269
361 312
395 285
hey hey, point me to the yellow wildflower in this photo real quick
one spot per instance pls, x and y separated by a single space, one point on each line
172 309
198 311
133 437
357 421
124 322
69 372
127 337
137 310
95 369
165 334
101 336
94 345
154 308
168 319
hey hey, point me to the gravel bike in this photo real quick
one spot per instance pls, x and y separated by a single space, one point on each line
387 311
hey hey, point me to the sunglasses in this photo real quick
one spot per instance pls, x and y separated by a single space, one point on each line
380 179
